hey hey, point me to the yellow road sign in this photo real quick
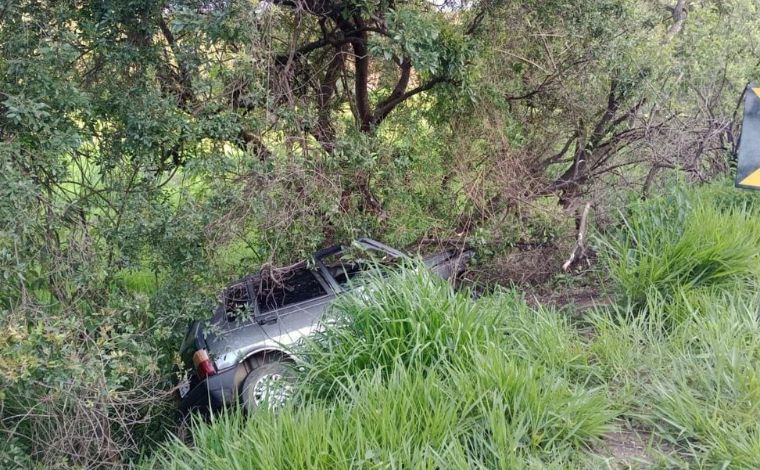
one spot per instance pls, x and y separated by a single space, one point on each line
752 180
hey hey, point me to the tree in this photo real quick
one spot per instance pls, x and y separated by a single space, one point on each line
189 141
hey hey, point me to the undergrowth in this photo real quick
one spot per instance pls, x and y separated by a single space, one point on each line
681 242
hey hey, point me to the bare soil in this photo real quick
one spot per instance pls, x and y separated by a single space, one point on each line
627 449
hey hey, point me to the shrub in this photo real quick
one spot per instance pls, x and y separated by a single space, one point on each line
77 389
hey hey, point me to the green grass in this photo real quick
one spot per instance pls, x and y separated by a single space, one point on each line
709 403
423 377
415 375
142 281
695 384
682 242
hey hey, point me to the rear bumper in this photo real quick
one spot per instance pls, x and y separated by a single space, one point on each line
211 394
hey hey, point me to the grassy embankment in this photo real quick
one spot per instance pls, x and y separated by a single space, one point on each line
423 377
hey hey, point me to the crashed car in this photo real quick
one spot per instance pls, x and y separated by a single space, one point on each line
243 354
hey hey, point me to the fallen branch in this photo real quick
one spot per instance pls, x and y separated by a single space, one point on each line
579 250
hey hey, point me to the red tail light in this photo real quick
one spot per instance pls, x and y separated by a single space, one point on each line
203 365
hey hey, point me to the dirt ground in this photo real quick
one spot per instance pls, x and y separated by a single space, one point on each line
627 449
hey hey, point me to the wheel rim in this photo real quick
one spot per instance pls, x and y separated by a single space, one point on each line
272 390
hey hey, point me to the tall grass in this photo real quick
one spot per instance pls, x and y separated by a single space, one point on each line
681 242
410 420
688 370
414 375
408 318
709 403
694 384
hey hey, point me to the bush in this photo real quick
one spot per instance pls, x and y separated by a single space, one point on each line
77 388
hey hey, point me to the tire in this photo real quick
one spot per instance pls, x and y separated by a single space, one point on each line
269 383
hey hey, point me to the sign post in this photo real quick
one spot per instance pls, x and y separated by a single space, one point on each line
748 168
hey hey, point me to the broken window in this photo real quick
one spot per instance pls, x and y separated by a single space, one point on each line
271 291
237 300
349 263
279 290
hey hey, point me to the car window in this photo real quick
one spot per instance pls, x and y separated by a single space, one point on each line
271 291
352 261
287 288
236 300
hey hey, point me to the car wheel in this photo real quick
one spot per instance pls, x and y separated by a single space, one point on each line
270 383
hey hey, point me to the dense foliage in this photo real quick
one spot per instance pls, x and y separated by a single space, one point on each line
151 150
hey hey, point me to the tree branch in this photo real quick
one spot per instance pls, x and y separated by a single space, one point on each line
382 113
679 14
253 142
398 90
330 40
361 68
324 131
183 79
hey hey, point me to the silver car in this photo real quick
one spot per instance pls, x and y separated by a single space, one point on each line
237 355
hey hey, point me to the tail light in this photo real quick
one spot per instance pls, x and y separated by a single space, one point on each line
203 365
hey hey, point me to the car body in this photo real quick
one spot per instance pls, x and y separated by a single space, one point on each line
260 318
